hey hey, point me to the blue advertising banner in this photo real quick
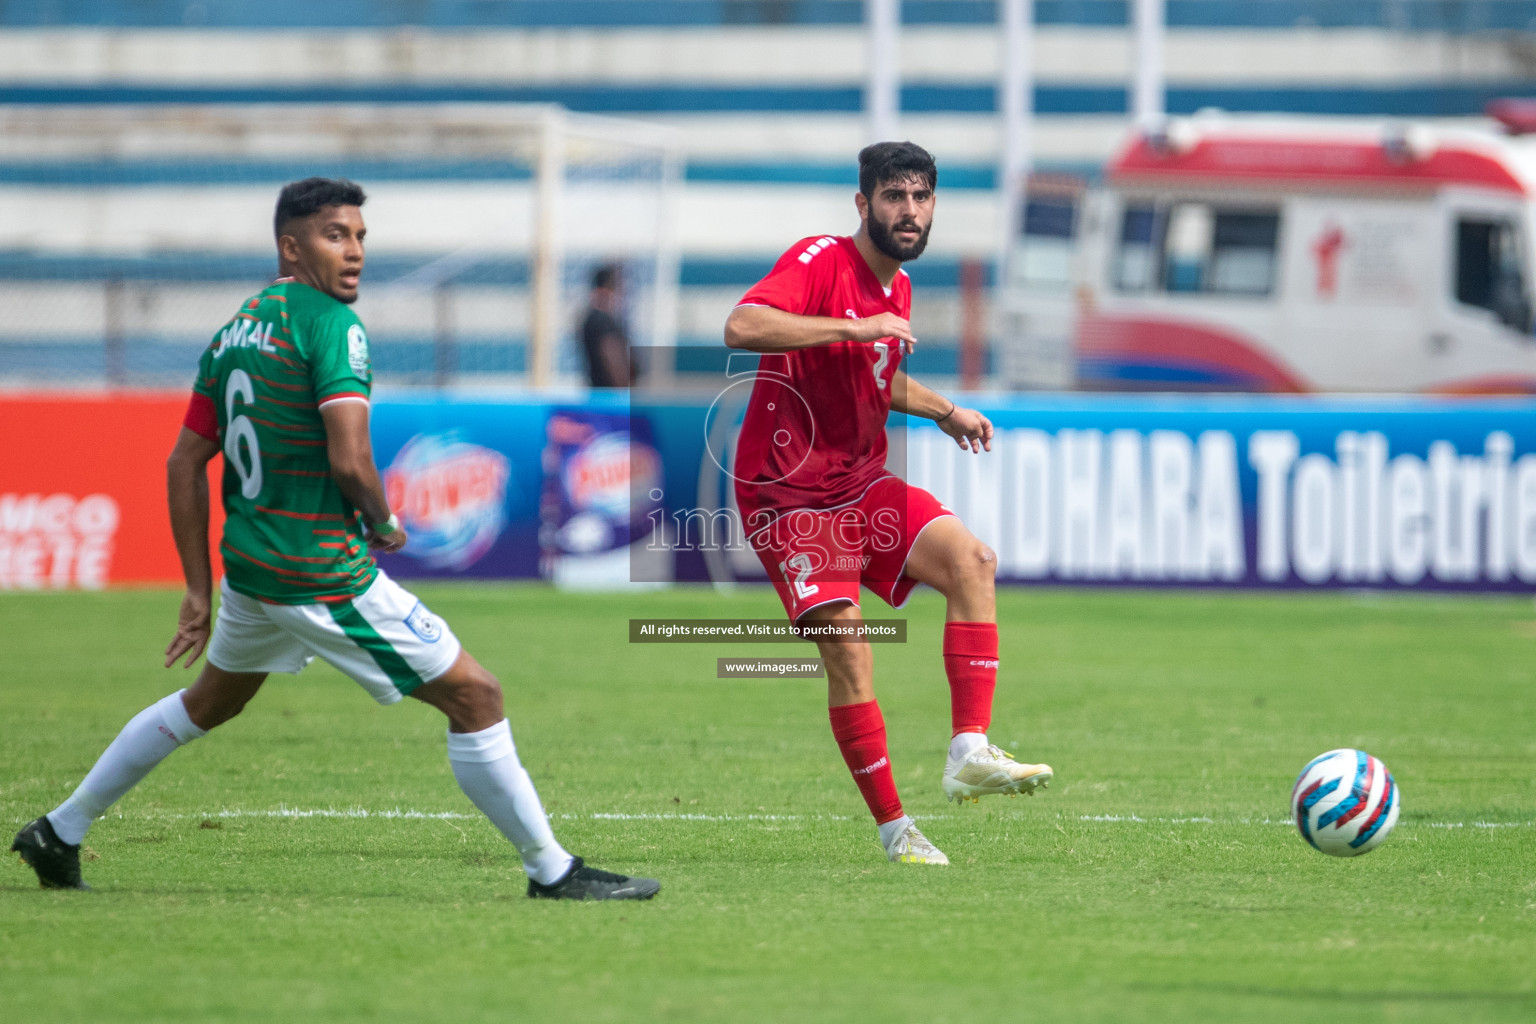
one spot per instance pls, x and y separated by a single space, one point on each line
464 478
1234 491
1250 491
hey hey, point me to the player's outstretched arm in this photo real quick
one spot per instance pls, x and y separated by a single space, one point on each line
971 430
350 451
186 486
766 329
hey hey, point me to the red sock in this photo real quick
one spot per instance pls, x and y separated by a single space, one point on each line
860 731
970 661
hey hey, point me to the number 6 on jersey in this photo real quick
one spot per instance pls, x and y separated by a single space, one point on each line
238 428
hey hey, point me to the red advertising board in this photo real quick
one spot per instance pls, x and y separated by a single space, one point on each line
82 490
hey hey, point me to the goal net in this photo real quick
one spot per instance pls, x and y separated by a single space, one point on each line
129 234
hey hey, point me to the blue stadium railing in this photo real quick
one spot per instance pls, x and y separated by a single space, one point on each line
118 173
1457 16
1425 99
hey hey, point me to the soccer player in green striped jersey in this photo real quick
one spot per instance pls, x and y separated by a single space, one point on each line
283 390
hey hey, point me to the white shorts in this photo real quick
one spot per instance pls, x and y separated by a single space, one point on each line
385 639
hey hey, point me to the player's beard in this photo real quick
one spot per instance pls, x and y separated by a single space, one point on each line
885 239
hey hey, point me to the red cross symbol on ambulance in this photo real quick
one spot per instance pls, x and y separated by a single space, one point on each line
1326 249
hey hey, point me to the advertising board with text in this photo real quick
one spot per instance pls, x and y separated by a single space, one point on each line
1221 491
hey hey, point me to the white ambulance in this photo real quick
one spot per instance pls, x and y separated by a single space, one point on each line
1259 254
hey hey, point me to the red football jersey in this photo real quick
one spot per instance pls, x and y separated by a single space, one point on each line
814 433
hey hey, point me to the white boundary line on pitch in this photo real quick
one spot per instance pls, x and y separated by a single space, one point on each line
397 813
1138 820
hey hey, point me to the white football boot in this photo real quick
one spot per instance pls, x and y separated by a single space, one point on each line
989 769
912 847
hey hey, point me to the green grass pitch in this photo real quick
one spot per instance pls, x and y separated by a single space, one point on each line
1156 880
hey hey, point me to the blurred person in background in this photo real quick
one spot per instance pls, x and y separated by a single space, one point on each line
604 341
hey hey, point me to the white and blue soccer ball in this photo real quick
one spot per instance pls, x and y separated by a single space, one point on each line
1345 803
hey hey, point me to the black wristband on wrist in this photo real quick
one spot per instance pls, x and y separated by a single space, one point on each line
952 408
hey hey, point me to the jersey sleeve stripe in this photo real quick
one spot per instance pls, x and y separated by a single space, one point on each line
202 419
343 396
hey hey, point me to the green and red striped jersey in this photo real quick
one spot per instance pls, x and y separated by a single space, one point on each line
290 536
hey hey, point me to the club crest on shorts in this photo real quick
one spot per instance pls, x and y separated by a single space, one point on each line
428 627
357 349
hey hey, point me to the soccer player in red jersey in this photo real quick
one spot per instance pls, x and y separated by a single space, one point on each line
823 512
284 390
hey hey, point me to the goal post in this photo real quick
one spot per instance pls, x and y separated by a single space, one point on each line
128 233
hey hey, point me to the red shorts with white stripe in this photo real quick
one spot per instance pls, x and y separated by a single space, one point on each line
822 556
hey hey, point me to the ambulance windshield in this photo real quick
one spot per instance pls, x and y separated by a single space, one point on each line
1490 270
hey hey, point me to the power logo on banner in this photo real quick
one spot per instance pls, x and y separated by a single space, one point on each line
451 496
602 478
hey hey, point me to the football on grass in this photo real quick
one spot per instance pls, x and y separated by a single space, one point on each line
1345 803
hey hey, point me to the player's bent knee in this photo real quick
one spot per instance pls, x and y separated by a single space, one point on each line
485 694
468 694
988 560
973 567
976 562
482 690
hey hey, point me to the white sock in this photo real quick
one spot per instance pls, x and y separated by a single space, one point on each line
144 742
489 773
892 829
964 743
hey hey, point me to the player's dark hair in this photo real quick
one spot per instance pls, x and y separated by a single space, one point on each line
606 276
895 161
300 199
